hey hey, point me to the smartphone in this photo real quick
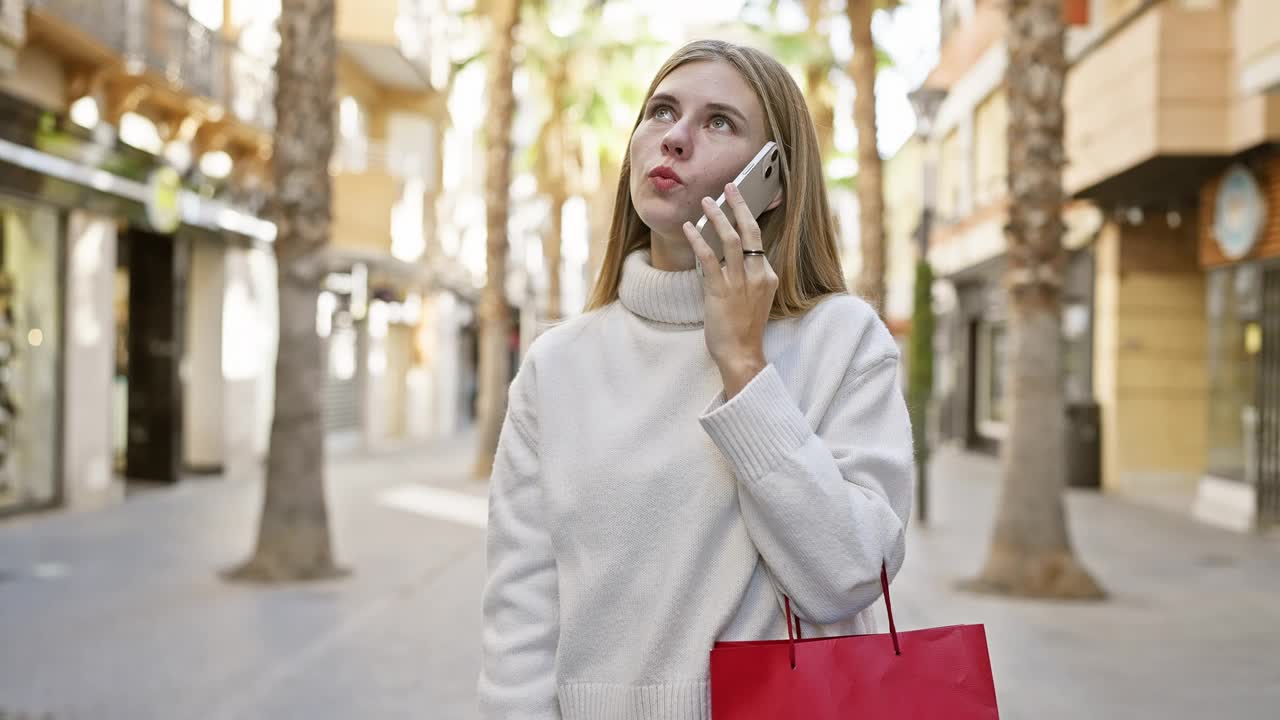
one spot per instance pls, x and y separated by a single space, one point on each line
759 182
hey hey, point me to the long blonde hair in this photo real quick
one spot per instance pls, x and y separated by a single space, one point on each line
799 235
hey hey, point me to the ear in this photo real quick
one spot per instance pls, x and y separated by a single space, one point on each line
777 200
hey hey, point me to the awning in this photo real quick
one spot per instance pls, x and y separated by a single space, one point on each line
195 210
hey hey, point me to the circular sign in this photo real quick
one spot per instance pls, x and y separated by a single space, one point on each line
163 209
1240 211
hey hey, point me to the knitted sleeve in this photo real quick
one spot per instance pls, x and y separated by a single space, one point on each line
824 506
520 600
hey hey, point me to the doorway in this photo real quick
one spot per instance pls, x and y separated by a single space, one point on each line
151 308
1268 402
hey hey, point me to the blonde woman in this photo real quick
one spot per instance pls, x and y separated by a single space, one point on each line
711 434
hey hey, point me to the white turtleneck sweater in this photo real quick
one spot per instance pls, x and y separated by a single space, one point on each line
635 517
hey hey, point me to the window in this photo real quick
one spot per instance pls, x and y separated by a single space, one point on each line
950 172
1235 340
991 152
353 136
991 388
30 313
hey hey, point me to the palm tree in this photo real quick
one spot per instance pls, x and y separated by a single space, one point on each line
555 159
495 315
810 52
1031 552
293 535
871 278
817 73
441 121
583 77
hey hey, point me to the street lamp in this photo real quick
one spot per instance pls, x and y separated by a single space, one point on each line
925 101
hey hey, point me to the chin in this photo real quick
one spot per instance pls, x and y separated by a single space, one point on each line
663 223
664 219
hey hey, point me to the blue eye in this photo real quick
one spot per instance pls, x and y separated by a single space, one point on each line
726 123
660 109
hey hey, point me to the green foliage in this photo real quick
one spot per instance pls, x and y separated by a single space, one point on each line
602 91
843 182
920 353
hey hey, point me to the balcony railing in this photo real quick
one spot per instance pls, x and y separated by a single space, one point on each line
162 37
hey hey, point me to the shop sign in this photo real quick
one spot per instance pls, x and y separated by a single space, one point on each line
1240 212
164 212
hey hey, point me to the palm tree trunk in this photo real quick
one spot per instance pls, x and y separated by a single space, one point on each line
293 535
817 84
551 250
556 159
433 249
871 279
1031 552
495 316
818 92
824 114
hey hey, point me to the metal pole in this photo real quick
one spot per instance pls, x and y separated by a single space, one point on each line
925 102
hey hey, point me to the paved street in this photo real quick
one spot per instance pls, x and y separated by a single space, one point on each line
121 614
1191 629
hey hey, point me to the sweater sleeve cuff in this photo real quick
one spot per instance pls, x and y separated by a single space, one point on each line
757 428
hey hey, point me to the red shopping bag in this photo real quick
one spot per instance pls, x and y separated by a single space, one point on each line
938 673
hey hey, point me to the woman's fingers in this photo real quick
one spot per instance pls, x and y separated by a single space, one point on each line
710 264
748 228
728 238
756 268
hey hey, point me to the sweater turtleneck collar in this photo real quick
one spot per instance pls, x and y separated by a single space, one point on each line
673 297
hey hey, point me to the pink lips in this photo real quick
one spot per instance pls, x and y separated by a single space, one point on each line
664 178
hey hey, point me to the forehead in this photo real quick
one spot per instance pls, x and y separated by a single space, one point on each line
711 81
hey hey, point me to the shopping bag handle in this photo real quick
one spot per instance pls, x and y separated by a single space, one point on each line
888 605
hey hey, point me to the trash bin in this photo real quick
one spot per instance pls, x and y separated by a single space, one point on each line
1084 445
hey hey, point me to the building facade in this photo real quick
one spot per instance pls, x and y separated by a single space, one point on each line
401 320
132 151
1171 116
137 275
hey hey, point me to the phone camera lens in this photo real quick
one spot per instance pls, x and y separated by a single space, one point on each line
768 171
774 156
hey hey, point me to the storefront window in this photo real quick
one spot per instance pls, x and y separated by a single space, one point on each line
1234 300
992 357
29 353
1077 329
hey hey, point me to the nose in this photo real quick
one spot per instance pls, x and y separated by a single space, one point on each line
676 142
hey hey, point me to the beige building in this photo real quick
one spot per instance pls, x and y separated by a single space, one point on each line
402 330
136 282
137 278
903 179
1167 104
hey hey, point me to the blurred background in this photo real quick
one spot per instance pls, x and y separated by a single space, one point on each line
142 231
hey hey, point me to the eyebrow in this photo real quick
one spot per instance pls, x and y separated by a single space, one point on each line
715 106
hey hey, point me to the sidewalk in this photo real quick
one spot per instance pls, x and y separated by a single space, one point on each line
1191 629
121 614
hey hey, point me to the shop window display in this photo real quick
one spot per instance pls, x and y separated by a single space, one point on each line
29 347
1234 307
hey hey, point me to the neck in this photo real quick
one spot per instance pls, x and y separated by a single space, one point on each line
671 254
